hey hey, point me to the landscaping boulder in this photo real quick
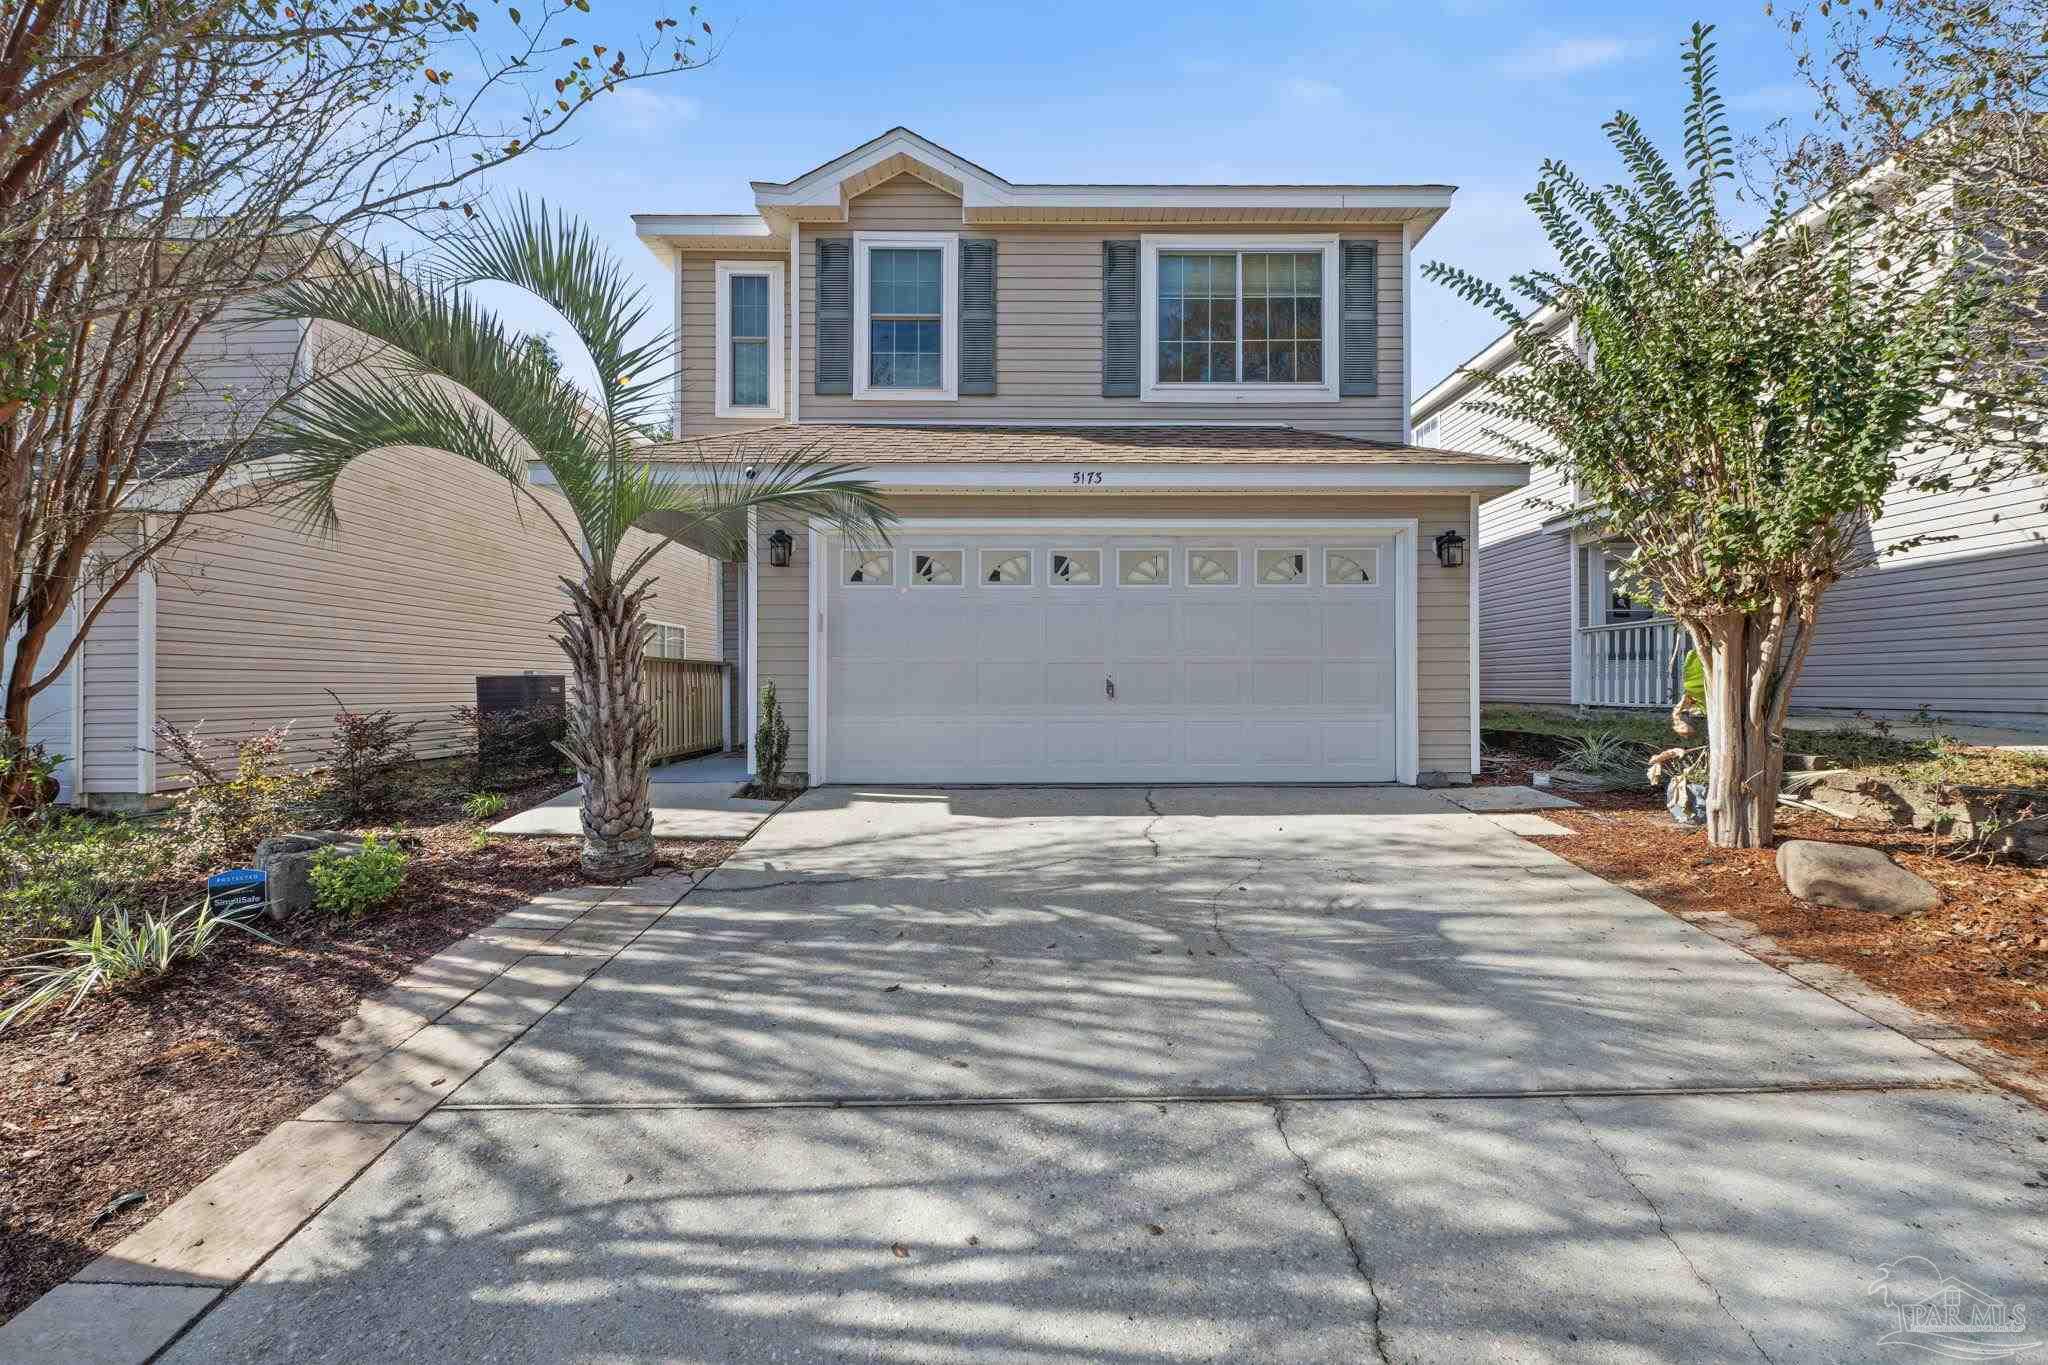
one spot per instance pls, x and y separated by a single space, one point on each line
1850 877
287 863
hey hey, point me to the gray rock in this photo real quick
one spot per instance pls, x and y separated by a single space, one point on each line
287 863
1851 877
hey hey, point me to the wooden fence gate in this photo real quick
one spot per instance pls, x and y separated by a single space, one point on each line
688 697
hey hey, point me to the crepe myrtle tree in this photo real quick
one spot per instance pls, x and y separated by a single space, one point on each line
1735 405
451 377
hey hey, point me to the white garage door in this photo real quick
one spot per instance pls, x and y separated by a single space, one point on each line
1125 657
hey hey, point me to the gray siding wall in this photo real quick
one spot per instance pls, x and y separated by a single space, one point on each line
1959 626
1048 328
112 692
1525 630
234 370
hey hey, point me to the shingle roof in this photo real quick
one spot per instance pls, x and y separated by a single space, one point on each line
862 444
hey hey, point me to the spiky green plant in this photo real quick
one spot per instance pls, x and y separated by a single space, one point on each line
435 340
119 950
1735 405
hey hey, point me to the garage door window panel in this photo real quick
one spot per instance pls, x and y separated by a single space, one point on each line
869 568
1283 567
1212 568
1351 566
1075 569
1006 568
1147 568
937 568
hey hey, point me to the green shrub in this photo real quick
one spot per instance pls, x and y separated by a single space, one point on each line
352 884
56 876
771 741
231 809
1603 753
117 951
484 806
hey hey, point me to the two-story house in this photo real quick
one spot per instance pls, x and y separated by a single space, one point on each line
1161 517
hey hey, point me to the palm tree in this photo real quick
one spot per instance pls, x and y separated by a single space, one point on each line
441 372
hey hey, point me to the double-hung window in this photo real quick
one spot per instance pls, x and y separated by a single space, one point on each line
906 290
748 369
1236 320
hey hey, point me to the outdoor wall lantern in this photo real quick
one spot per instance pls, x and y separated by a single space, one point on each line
779 546
1450 550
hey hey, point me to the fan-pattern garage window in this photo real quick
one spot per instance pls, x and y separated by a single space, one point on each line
935 568
1143 568
1077 568
1355 568
1283 566
1006 567
871 567
1212 568
667 642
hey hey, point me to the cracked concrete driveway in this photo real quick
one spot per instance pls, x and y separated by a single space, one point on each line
1187 1074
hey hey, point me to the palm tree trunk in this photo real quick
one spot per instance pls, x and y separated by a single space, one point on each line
611 728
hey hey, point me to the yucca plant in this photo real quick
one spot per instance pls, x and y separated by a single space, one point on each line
433 338
117 951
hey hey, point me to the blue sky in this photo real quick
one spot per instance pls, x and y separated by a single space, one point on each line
1475 93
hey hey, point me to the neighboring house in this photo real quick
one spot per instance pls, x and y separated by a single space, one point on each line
1161 519
439 573
1958 625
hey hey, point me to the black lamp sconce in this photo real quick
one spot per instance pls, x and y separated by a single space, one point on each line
779 547
1450 550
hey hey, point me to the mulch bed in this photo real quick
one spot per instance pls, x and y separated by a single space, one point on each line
1979 961
150 1093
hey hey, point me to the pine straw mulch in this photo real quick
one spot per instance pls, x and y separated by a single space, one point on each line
150 1093
1980 961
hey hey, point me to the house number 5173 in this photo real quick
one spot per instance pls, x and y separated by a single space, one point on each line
1087 476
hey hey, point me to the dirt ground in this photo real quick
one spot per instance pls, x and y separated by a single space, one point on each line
1980 960
149 1093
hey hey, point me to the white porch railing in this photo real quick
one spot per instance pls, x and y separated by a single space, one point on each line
1627 664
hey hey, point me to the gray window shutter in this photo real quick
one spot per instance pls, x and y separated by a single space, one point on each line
835 316
1120 319
977 316
1359 339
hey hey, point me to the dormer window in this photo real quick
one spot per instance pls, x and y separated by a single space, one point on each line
906 288
1236 319
749 339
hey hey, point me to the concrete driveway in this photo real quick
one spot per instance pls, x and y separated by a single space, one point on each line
1180 1074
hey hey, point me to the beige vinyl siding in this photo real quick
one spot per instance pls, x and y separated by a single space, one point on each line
437 574
1443 643
1048 328
1525 627
782 618
233 371
697 341
112 685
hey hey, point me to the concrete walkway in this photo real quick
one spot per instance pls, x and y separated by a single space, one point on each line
1128 1075
693 799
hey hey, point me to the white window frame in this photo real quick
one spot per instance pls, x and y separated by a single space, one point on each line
724 272
680 629
1150 390
948 246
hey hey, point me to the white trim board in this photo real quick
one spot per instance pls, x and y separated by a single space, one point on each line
753 634
1459 479
1405 531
